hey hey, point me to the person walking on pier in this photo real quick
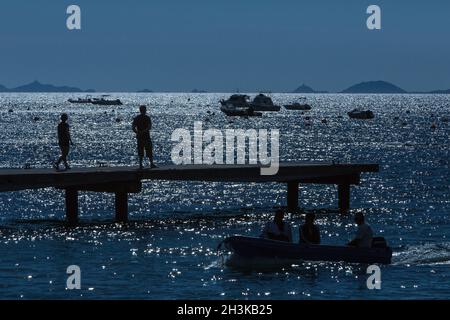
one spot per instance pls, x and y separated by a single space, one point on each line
64 142
278 229
142 125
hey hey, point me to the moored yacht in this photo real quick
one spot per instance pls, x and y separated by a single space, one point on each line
237 105
263 103
361 114
297 106
88 99
237 100
106 102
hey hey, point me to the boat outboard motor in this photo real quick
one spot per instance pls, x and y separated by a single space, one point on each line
379 242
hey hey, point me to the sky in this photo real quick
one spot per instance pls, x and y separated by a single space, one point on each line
225 45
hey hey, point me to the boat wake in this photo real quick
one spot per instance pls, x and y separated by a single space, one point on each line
427 254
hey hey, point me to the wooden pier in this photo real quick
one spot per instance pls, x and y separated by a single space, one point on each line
124 180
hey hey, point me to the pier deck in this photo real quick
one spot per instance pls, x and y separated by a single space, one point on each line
124 180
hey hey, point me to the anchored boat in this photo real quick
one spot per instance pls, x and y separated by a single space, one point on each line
88 99
298 106
237 105
361 114
98 101
264 103
105 102
253 248
241 112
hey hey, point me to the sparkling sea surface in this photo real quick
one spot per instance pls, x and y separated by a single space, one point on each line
168 250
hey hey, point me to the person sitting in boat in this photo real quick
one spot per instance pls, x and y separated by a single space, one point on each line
278 229
364 234
309 232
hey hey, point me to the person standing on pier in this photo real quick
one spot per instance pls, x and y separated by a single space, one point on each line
64 142
142 125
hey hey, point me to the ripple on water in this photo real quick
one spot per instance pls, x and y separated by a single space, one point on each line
168 251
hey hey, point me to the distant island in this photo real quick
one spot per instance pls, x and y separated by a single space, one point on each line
441 91
306 89
36 86
374 87
368 87
198 91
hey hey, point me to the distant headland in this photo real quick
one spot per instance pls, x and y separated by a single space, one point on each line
370 87
367 87
36 86
306 89
374 87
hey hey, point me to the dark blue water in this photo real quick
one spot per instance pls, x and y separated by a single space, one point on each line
168 251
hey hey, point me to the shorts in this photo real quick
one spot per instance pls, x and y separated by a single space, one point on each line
64 150
144 144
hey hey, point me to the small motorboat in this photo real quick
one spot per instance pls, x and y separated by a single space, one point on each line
237 105
105 102
236 100
298 106
88 99
233 111
264 103
361 114
254 248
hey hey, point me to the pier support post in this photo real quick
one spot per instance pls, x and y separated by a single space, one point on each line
344 197
121 206
292 195
72 206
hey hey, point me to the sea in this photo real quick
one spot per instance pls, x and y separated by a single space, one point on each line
168 250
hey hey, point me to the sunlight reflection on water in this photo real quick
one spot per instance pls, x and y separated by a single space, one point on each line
169 248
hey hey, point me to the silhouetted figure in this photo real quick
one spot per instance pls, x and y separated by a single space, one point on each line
364 234
309 232
142 126
277 229
64 142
